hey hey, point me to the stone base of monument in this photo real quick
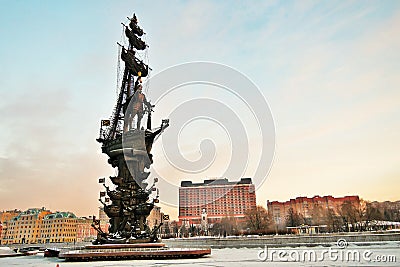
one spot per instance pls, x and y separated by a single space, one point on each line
143 251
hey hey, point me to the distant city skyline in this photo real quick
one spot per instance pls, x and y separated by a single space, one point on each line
329 71
174 214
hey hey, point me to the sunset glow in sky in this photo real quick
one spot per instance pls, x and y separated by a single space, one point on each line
328 69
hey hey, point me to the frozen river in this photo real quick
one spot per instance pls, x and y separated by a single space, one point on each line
387 254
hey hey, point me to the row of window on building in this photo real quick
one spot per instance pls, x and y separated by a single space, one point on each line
215 199
39 225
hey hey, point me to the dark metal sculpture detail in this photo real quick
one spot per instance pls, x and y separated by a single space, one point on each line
129 150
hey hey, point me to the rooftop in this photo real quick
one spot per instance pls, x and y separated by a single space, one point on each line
59 215
213 182
33 211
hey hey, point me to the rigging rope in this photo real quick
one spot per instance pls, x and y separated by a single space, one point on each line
119 64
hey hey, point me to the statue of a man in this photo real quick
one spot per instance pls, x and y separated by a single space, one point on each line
138 100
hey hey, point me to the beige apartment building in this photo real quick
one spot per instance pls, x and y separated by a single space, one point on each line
58 227
25 228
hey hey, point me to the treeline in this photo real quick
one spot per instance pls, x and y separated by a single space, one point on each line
348 217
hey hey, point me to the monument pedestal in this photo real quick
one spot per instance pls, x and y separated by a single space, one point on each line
143 251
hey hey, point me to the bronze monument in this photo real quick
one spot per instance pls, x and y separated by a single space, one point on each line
129 150
129 202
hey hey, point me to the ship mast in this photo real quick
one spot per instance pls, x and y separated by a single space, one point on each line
134 67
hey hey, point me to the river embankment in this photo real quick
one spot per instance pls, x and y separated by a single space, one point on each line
361 239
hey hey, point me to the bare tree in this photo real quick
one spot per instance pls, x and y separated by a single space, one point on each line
216 229
257 219
318 215
333 221
293 219
228 225
349 214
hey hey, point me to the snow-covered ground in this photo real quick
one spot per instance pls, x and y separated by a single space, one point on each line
246 257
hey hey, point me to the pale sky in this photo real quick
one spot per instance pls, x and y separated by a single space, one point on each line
328 69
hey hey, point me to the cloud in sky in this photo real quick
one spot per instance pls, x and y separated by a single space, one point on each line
329 71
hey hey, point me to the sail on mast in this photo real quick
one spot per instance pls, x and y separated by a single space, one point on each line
134 67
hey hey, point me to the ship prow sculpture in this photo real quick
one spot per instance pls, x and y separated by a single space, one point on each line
129 200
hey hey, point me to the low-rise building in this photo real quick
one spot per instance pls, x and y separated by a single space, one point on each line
43 226
7 215
308 207
25 228
59 227
154 218
84 230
